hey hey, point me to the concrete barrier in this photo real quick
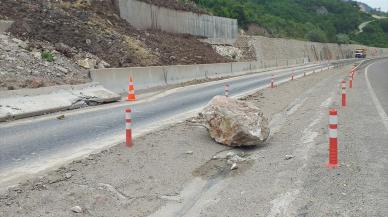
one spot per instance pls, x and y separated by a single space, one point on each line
216 70
116 79
180 74
15 104
4 25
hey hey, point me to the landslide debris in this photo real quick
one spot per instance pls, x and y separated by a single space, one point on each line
24 66
95 27
234 122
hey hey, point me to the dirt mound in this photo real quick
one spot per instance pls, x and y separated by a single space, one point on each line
21 67
95 27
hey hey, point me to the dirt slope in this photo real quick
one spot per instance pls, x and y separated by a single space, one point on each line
95 27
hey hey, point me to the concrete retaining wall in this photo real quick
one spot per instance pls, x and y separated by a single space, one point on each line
147 16
270 52
4 25
278 49
116 79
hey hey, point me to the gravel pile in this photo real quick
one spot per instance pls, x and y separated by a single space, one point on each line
22 65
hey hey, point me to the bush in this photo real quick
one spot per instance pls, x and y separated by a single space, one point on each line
343 39
48 56
316 36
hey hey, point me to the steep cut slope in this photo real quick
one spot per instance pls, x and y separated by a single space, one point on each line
95 27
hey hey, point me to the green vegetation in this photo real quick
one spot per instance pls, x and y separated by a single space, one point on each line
313 20
48 56
374 34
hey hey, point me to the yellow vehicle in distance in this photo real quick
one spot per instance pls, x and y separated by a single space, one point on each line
360 53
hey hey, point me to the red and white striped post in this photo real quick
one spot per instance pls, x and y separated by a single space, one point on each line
343 94
273 82
227 90
333 139
351 80
128 128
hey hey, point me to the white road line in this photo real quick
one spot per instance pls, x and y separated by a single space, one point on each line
379 107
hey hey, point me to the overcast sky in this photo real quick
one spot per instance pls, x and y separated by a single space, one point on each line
377 4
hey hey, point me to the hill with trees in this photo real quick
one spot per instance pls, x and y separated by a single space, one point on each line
374 34
333 21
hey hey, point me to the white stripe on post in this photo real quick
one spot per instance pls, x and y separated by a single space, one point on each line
333 119
333 133
128 129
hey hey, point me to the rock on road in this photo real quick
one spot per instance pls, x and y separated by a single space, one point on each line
33 145
180 171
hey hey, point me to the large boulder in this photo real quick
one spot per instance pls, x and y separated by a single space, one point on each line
234 122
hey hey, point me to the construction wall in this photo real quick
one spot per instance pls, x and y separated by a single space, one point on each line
267 49
147 16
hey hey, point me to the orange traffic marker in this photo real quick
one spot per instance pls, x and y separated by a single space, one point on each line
128 128
131 90
343 94
333 141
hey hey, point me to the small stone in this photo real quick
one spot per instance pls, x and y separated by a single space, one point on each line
68 175
62 69
230 154
289 157
61 117
76 209
234 166
189 152
102 64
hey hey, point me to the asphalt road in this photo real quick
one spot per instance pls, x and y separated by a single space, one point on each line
378 77
158 178
24 142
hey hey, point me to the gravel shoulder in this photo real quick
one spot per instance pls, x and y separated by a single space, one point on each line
180 171
359 186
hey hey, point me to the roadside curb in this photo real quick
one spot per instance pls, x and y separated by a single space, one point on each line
17 104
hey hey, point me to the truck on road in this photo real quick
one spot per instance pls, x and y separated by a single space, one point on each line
360 53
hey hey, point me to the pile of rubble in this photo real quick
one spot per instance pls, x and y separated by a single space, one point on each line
31 65
96 27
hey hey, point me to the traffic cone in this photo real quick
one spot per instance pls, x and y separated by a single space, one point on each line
131 90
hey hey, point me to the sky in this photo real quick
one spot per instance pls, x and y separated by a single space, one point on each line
377 3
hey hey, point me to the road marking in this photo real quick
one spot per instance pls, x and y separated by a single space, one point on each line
282 205
379 107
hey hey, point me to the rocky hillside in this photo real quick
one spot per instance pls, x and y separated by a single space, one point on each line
95 27
23 66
